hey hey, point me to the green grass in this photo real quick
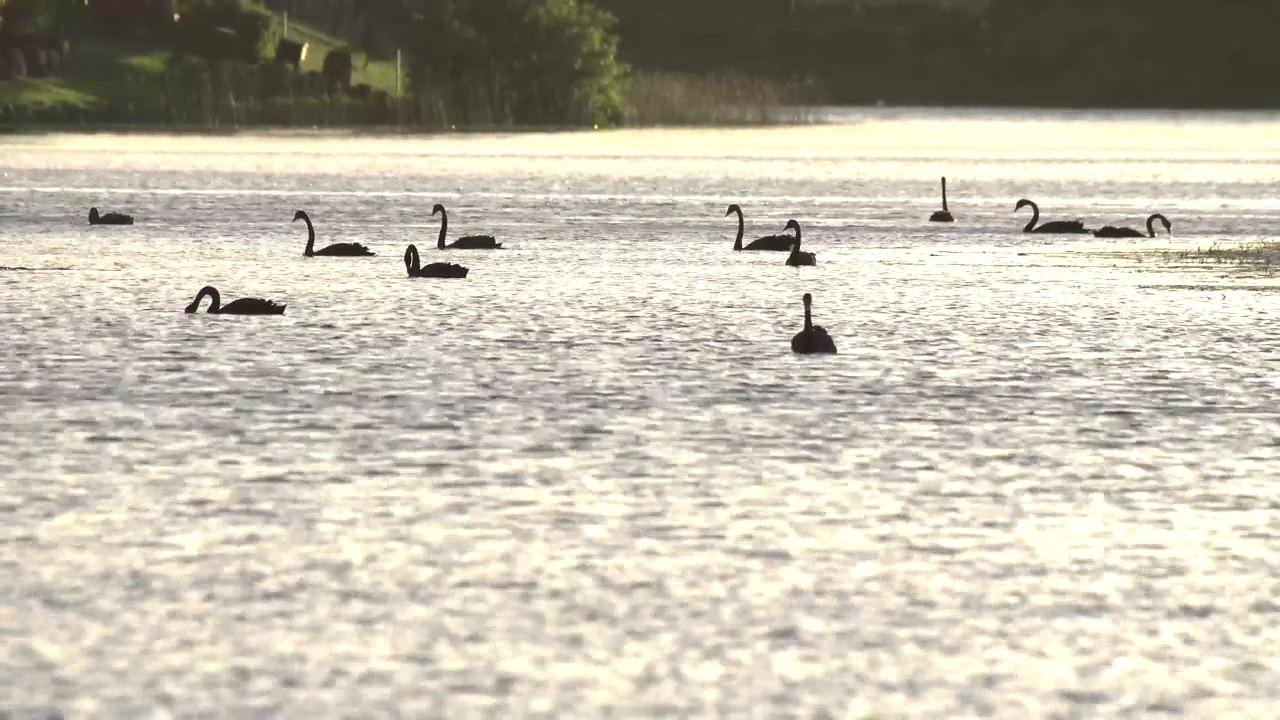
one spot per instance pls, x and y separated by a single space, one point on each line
43 93
378 74
98 72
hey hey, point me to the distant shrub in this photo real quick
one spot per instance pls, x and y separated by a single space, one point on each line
239 30
517 62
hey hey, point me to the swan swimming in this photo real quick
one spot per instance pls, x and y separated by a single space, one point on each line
468 242
335 250
243 306
813 339
769 242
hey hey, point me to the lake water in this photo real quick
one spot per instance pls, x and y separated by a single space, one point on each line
591 479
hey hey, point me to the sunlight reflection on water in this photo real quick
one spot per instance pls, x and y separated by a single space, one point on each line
591 478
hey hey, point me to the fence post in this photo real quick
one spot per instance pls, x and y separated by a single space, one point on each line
286 24
398 90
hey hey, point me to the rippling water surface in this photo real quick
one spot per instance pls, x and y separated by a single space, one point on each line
591 479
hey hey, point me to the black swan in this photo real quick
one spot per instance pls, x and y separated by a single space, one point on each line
432 270
797 258
470 242
813 338
1112 231
335 250
111 218
769 242
1074 227
942 215
243 306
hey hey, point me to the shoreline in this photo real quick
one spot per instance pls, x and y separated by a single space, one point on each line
816 116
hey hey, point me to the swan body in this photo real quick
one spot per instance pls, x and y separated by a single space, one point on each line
335 250
431 270
1110 231
243 306
942 215
798 258
1071 227
813 339
769 242
111 218
468 242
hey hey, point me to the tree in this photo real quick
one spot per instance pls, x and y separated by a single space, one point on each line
525 62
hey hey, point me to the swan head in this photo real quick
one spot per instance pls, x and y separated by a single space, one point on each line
1022 203
1168 226
732 209
437 209
808 299
300 215
195 305
792 225
93 213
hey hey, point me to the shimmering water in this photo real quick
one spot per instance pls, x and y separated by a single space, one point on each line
591 480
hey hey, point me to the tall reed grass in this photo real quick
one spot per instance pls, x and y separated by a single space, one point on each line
682 99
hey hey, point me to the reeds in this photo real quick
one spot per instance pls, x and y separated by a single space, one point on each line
682 99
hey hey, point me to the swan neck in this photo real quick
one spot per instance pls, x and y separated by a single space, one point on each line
444 228
411 261
737 243
215 300
1035 217
797 226
944 195
808 319
311 236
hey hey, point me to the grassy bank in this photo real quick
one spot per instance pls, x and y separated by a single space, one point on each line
105 83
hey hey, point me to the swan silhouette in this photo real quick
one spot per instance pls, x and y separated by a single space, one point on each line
1110 231
243 306
942 215
1074 227
769 242
335 250
813 338
431 270
111 218
469 242
797 258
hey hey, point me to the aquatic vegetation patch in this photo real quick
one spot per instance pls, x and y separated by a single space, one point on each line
1238 259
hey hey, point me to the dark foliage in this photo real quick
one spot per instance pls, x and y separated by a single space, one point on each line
522 62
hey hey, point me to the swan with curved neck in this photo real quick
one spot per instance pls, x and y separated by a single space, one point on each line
813 339
243 306
431 270
468 242
769 242
1072 227
798 258
1110 231
335 250
111 218
942 215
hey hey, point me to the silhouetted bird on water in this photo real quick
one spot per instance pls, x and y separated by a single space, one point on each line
243 306
942 215
769 242
111 218
1110 231
797 258
1072 227
431 270
813 339
335 250
469 242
